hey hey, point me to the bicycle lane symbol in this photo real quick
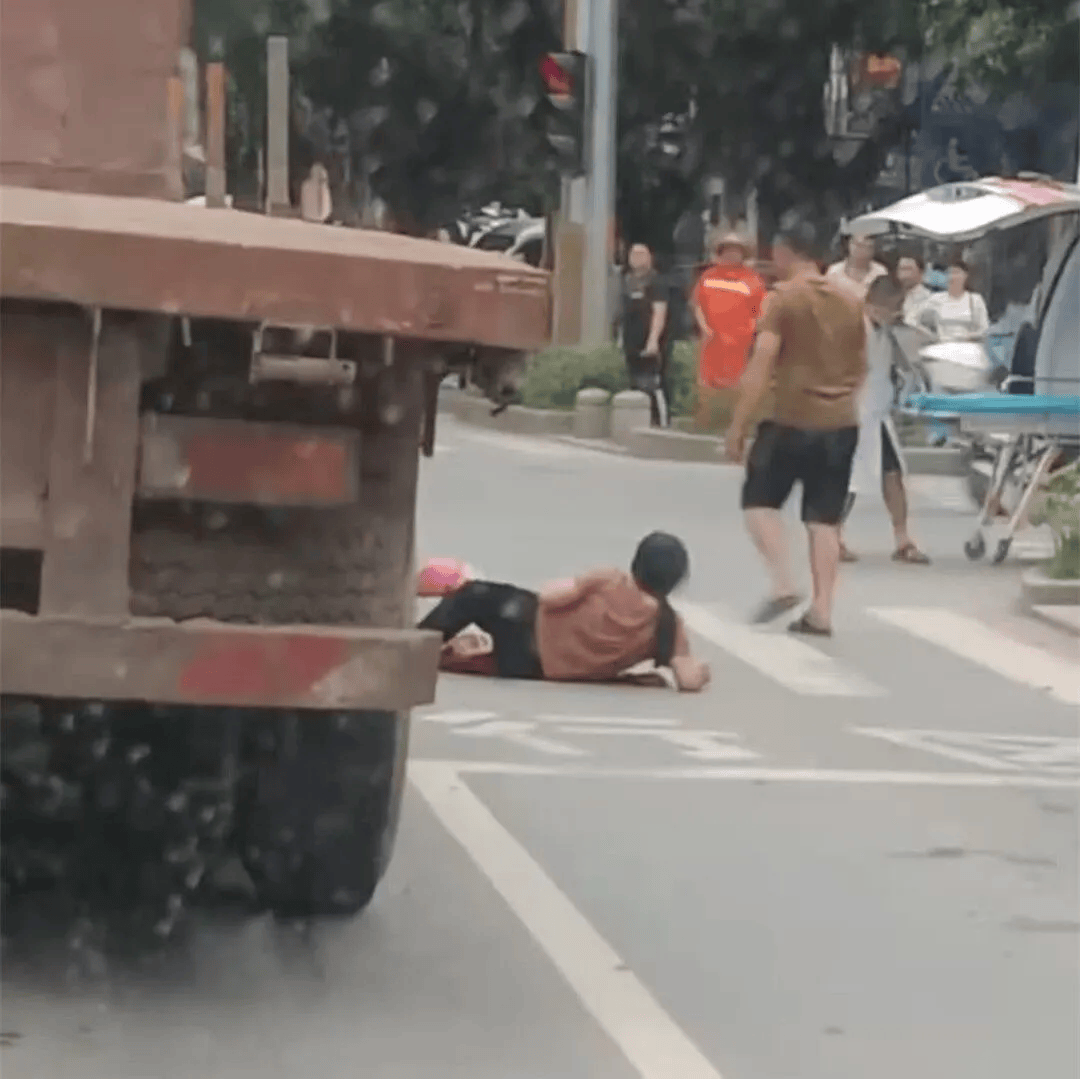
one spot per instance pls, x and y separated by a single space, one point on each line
533 734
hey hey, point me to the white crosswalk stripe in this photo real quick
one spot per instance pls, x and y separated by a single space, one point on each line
974 641
805 667
799 666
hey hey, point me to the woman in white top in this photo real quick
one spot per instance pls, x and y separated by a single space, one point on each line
956 314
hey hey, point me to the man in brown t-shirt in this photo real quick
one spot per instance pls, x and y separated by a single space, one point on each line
811 346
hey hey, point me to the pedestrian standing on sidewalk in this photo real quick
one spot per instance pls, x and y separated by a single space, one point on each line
859 269
957 314
645 331
812 342
879 461
727 304
910 270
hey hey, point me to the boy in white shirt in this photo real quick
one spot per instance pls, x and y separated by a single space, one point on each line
858 271
878 455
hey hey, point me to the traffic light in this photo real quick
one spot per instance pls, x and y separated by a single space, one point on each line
565 77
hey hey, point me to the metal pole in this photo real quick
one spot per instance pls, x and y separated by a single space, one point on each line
600 214
215 134
568 240
277 125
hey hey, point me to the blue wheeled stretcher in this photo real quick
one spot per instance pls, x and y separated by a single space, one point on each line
1037 430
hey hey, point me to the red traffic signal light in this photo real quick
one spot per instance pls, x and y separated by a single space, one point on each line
565 79
558 80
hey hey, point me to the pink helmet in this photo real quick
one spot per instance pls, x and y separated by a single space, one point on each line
441 576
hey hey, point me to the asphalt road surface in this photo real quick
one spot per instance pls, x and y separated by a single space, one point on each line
854 859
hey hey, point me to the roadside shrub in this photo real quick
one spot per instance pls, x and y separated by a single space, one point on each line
1060 510
555 376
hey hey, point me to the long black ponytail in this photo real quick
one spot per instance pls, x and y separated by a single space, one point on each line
660 564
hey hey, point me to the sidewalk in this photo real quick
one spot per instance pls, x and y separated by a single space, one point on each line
646 443
1062 616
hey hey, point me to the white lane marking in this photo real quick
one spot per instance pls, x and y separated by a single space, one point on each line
526 444
701 745
553 717
645 1034
798 666
455 716
978 643
811 776
1009 752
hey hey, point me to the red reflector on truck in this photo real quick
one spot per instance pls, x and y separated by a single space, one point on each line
234 461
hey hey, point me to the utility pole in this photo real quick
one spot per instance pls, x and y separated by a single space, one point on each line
570 233
584 234
600 213
278 202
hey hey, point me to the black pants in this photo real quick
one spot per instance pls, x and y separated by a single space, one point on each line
505 612
650 375
820 460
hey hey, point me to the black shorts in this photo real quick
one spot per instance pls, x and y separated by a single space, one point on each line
820 460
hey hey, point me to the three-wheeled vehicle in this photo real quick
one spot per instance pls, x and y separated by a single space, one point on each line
1025 232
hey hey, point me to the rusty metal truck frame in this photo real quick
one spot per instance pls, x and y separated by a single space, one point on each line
79 449
210 424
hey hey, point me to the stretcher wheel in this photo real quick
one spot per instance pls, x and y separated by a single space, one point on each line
1001 552
975 547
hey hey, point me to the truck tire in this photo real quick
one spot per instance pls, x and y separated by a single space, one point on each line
120 805
319 793
318 815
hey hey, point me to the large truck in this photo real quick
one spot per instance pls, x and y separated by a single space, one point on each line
206 513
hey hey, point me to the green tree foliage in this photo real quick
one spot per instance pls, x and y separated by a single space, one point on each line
437 96
1005 47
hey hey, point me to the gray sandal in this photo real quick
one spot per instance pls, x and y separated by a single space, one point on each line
808 628
772 609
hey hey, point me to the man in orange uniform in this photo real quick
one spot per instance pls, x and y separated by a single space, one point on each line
727 303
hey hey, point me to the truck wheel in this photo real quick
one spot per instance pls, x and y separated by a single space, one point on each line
119 804
318 815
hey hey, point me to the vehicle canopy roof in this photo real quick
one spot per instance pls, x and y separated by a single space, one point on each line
965 211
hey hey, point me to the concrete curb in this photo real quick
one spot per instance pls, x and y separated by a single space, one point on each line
599 445
1063 616
1038 590
514 421
671 445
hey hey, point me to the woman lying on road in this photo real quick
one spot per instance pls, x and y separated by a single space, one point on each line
592 628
